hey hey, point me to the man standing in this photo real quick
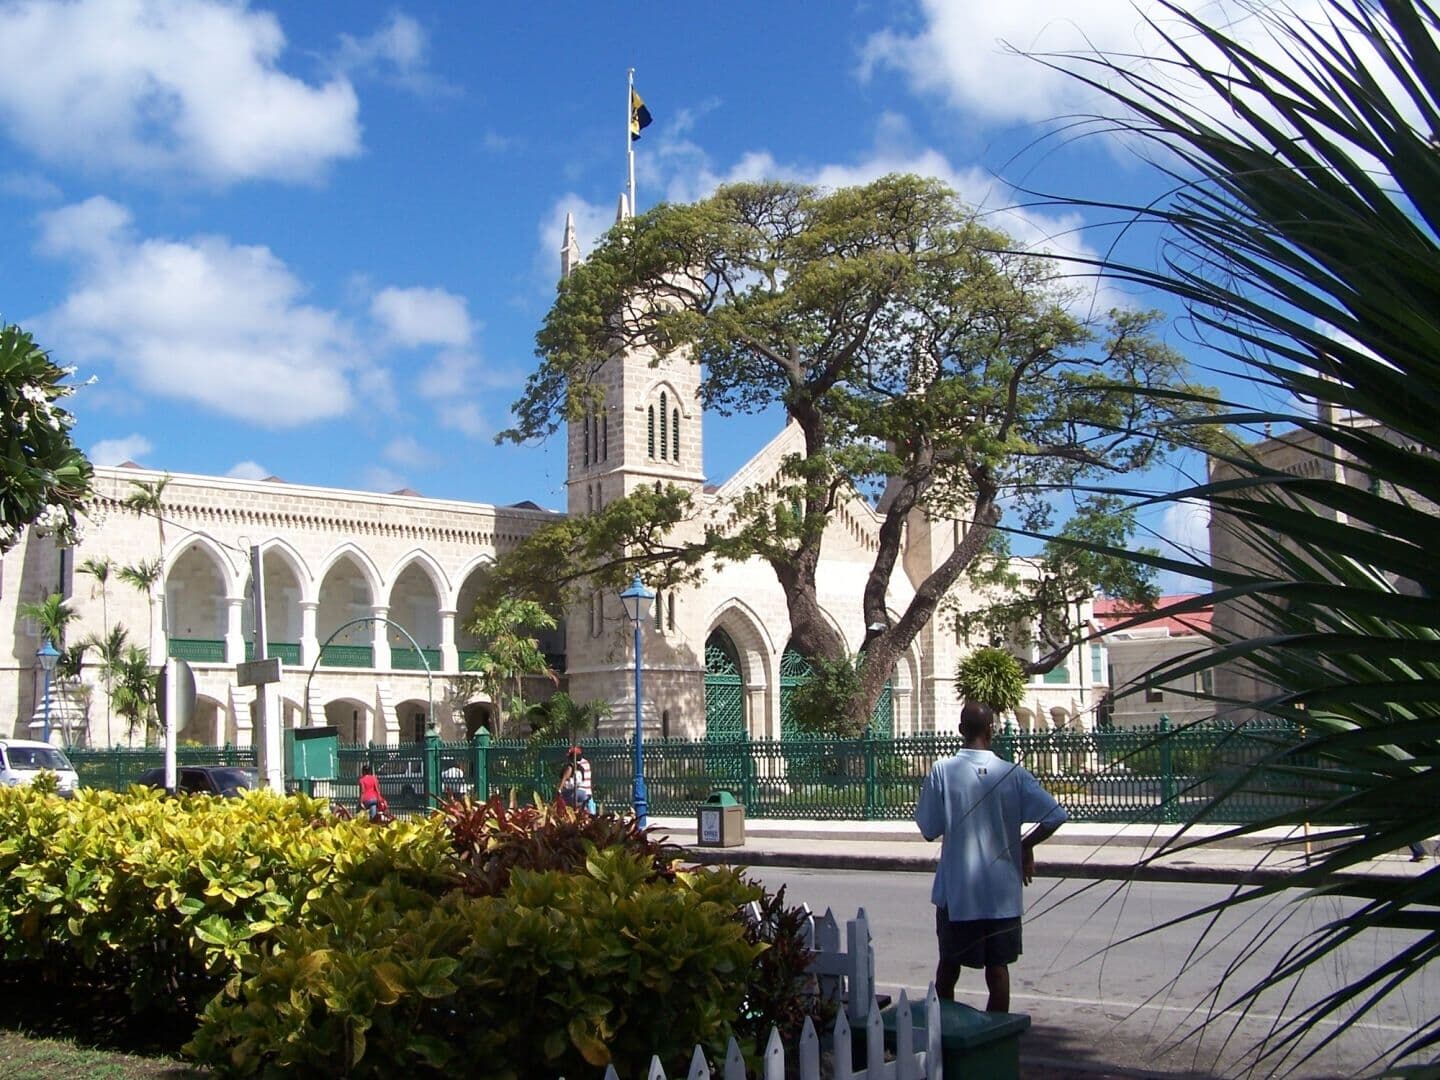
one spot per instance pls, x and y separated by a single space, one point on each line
978 802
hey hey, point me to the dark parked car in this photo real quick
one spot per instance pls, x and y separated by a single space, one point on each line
228 781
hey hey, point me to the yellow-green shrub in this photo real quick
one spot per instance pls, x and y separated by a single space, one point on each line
166 895
560 975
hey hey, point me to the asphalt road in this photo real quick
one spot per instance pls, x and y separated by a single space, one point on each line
1106 1003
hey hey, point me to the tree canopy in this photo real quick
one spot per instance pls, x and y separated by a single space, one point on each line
931 366
44 478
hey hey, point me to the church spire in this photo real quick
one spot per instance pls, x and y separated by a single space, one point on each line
622 212
570 250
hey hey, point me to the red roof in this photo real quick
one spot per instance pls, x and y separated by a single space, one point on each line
1111 613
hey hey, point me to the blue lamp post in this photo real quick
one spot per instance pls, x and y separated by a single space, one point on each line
637 600
47 655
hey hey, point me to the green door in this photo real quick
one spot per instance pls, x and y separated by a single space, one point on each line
794 670
724 690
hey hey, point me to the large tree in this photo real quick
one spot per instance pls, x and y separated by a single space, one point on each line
929 364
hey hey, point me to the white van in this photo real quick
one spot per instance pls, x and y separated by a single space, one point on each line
21 760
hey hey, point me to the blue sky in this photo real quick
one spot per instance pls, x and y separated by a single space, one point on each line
316 240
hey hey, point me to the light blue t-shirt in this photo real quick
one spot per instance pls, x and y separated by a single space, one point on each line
978 802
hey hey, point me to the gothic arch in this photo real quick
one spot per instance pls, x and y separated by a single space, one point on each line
660 385
452 596
217 554
284 551
362 562
426 562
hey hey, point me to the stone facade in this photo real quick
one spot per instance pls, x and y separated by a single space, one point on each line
359 587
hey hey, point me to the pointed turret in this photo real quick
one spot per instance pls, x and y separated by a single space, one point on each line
622 212
570 250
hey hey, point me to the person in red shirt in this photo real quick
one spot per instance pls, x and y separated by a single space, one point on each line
370 798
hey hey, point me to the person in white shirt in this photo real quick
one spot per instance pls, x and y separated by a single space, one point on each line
977 802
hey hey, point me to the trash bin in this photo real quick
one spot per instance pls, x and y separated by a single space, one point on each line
721 821
973 1044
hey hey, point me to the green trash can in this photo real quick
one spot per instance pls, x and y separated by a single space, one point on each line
720 822
973 1044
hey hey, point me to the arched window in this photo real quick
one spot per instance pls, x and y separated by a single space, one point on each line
675 435
650 434
659 610
605 437
585 454
664 428
597 613
670 611
589 499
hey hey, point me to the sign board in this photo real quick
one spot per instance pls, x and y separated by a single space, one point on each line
258 672
180 693
709 826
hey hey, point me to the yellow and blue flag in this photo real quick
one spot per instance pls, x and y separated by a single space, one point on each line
639 115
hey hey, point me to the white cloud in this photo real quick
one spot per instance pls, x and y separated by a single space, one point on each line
465 417
202 320
965 53
970 54
684 172
167 86
118 451
398 52
418 316
248 470
407 450
379 478
1185 530
29 186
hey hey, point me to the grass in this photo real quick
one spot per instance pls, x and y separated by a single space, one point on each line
50 1033
25 1056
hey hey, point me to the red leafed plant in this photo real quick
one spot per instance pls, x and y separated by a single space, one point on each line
490 841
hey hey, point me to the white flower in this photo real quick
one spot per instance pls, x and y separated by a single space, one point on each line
37 394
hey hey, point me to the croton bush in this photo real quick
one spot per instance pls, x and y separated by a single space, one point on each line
498 942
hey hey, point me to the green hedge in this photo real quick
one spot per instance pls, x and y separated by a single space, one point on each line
482 941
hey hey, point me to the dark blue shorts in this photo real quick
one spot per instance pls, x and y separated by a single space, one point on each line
977 943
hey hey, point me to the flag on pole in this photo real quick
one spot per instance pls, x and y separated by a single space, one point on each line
639 115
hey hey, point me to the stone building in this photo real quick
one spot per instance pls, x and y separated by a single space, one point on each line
364 591
1135 650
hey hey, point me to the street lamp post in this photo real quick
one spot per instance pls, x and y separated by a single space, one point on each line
637 600
48 656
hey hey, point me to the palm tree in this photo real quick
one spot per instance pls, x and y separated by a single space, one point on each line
110 648
1303 220
53 615
144 575
147 498
100 569
135 688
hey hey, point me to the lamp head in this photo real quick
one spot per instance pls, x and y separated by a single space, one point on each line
48 656
637 600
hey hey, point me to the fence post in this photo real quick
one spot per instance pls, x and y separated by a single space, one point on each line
871 799
1167 772
432 769
749 786
480 747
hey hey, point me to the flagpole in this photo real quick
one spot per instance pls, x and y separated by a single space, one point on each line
629 141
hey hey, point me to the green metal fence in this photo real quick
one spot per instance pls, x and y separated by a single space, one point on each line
119 767
1138 775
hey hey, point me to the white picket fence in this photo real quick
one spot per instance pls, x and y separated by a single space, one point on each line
846 976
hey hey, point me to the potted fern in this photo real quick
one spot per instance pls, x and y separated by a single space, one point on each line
991 676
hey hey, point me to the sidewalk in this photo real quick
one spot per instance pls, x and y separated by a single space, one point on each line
1078 850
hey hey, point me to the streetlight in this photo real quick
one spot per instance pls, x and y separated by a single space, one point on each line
48 656
637 600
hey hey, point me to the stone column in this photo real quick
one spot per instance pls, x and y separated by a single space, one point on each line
234 629
380 637
449 654
309 643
